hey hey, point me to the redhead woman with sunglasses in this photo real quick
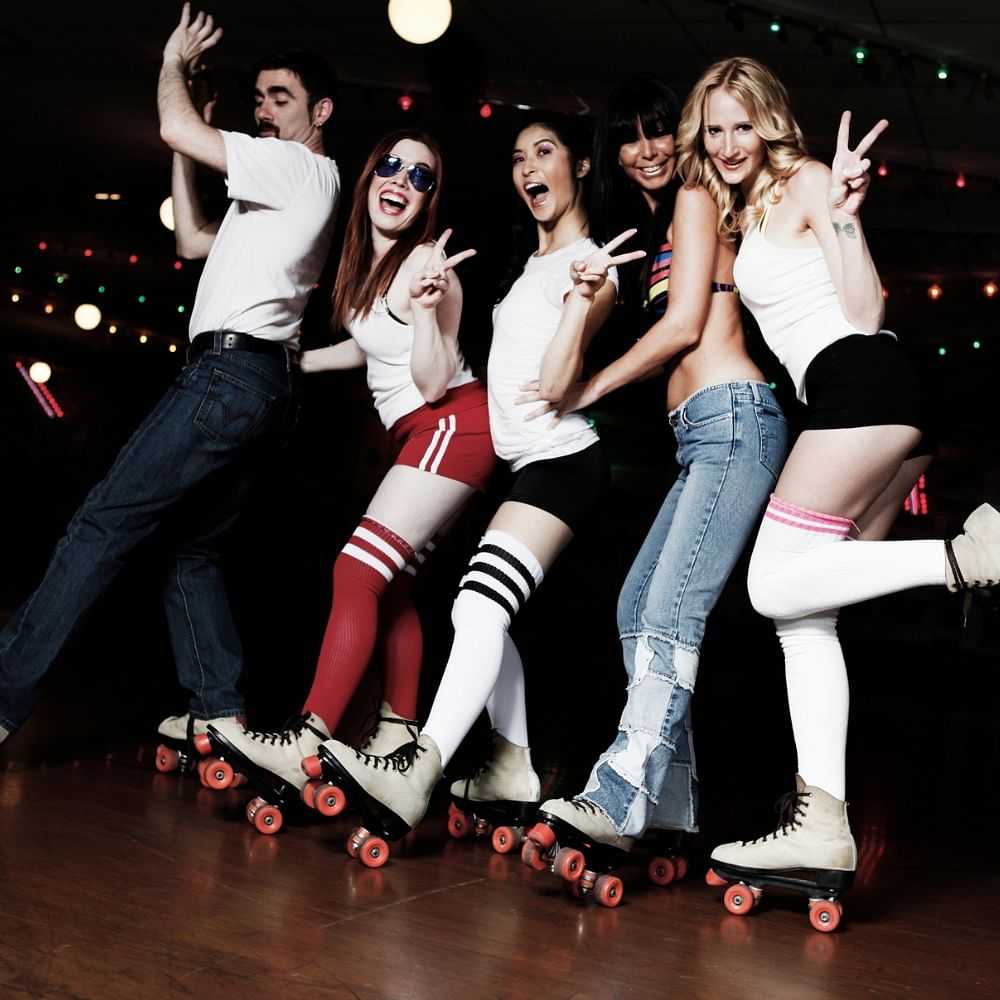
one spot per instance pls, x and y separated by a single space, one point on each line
398 297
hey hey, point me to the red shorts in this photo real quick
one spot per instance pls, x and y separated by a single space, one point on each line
449 438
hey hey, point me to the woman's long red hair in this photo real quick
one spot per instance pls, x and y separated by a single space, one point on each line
358 284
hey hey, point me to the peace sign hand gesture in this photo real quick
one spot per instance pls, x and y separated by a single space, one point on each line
589 275
849 177
191 38
430 284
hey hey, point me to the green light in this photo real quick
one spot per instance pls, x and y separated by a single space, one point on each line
773 385
860 54
942 73
942 351
142 298
976 345
60 279
180 309
101 289
17 270
775 26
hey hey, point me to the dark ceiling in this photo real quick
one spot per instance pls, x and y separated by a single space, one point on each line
82 84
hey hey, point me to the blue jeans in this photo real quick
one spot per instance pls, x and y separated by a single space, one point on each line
731 442
186 471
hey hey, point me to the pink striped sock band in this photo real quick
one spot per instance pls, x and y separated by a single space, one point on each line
379 547
809 520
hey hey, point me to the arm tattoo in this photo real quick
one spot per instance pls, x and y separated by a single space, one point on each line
848 229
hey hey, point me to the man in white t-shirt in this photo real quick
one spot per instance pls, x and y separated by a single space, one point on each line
187 470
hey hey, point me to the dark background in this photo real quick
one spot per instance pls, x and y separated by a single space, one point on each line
81 120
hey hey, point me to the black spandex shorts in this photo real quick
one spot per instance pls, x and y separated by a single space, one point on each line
569 487
861 381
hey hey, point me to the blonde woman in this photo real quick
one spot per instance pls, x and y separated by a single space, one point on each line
804 270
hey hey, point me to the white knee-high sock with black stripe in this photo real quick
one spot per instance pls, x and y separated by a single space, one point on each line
502 575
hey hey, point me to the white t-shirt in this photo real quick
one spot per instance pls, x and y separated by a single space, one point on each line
271 246
524 323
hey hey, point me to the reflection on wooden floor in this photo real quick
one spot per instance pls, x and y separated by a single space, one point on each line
122 883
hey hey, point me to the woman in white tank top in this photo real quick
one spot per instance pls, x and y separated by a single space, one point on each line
805 272
398 297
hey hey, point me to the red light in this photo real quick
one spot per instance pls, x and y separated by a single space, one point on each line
960 181
43 246
485 110
990 289
883 169
133 259
88 252
177 265
885 292
405 102
934 292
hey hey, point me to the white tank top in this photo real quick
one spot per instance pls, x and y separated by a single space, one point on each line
388 346
793 299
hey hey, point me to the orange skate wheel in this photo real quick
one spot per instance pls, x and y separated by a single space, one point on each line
825 914
374 853
532 856
506 839
239 780
218 774
166 759
661 871
739 899
203 744
680 866
202 764
312 767
608 890
569 863
712 879
458 825
543 835
452 809
330 800
308 793
267 819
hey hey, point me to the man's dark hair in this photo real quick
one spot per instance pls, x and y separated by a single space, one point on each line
316 74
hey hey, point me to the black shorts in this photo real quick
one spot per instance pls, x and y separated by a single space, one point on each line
569 487
861 381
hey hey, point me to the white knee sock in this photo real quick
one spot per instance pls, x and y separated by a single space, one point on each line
793 572
818 698
501 577
505 705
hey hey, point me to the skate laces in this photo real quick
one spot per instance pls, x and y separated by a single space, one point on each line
280 737
376 720
585 805
399 760
789 807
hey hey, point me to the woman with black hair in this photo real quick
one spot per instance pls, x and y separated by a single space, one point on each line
731 443
541 329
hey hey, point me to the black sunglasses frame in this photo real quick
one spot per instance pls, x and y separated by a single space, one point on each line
417 173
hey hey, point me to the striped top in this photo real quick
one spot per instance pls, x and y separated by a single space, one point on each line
658 285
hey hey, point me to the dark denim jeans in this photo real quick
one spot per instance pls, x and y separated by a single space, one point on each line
188 468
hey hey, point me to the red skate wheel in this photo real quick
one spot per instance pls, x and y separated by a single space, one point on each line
825 914
308 793
608 890
452 809
312 767
374 853
268 819
330 800
661 871
458 825
166 759
219 775
712 879
543 835
680 866
239 780
202 764
203 744
532 857
356 841
569 864
739 899
506 839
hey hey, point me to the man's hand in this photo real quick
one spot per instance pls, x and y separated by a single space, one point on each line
190 39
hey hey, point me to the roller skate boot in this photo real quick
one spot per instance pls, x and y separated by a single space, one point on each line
500 799
576 842
811 852
272 761
176 751
4 733
973 558
390 792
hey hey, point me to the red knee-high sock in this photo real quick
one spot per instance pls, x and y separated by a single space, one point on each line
404 646
361 573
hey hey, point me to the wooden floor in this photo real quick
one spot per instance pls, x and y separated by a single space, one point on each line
118 882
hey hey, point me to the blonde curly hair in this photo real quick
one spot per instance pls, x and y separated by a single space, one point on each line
770 112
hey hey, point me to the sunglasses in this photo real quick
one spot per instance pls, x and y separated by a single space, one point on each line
422 178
